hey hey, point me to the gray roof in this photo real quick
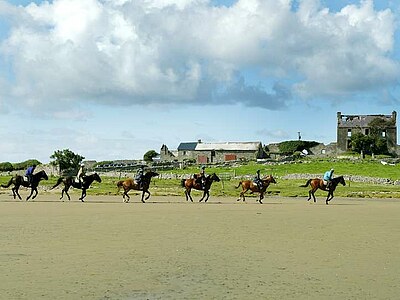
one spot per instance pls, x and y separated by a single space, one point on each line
229 146
187 146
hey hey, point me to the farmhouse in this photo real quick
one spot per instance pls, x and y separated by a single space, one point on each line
214 152
348 125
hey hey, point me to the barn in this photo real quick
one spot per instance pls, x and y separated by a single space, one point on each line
204 153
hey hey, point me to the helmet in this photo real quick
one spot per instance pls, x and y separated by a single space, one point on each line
258 171
203 167
82 164
332 170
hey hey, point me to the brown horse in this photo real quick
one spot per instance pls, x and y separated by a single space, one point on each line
130 184
70 181
18 180
192 183
318 183
250 185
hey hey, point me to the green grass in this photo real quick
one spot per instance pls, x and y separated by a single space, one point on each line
287 188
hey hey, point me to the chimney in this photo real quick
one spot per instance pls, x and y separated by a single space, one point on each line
199 141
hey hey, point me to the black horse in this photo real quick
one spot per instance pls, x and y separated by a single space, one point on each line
318 183
130 184
191 183
18 180
70 181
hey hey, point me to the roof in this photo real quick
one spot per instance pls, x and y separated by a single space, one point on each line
229 146
187 146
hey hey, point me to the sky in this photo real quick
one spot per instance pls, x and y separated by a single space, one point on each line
112 79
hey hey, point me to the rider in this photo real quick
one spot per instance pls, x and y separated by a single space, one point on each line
257 180
29 172
328 178
202 177
139 176
81 173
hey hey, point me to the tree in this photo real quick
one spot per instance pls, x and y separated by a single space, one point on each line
374 142
149 155
66 160
368 144
6 166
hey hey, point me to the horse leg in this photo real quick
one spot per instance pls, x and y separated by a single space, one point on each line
143 197
66 192
15 192
148 196
313 194
83 195
188 194
261 197
36 193
241 195
208 196
125 196
329 199
309 195
204 194
30 195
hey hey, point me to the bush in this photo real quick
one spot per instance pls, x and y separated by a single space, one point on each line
25 164
290 147
6 166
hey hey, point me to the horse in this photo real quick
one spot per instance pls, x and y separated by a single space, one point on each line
18 180
70 181
130 184
250 185
318 183
191 183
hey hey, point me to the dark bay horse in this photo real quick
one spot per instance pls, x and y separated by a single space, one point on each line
70 181
250 185
191 183
130 184
18 180
318 183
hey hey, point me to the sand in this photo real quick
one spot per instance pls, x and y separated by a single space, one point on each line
168 248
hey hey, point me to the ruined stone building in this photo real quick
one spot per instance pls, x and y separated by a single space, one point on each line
348 125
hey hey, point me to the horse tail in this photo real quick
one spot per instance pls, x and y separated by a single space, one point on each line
8 184
240 183
307 183
183 182
58 182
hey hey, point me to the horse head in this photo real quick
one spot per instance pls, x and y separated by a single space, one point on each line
42 174
341 180
151 174
214 177
269 179
97 177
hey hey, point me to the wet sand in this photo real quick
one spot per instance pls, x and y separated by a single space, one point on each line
168 248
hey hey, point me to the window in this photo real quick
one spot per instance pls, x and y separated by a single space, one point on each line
384 133
366 131
349 132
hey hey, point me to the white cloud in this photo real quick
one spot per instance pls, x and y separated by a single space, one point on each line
69 51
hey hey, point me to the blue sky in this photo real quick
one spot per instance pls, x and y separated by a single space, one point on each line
112 79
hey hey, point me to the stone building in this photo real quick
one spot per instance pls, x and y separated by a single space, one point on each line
204 153
348 125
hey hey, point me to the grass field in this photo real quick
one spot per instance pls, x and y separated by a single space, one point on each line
284 187
172 249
